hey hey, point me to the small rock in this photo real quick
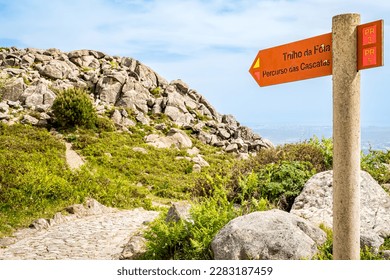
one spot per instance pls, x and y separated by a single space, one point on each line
181 86
193 152
40 224
232 148
196 168
126 122
386 254
160 126
142 119
4 107
230 120
134 249
224 133
179 211
4 116
27 119
140 150
116 117
201 161
14 104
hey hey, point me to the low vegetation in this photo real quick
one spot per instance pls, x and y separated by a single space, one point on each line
326 250
122 171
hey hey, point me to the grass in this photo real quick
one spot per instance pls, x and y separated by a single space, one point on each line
35 180
33 176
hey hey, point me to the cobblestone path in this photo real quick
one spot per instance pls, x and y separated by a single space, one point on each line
100 236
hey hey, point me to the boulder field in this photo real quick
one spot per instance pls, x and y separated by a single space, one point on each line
30 78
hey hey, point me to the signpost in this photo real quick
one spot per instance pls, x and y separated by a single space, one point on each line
349 48
300 60
312 57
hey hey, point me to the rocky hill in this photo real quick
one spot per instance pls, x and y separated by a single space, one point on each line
30 78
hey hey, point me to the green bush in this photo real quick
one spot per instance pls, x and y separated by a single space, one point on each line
313 152
376 163
104 124
281 182
156 92
192 239
325 145
277 182
325 251
73 108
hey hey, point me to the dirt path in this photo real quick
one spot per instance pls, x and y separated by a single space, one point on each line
91 237
72 158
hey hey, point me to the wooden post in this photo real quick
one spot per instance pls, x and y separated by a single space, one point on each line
346 138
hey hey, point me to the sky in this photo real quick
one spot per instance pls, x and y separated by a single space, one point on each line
210 45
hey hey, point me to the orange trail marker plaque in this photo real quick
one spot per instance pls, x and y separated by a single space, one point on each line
370 45
305 59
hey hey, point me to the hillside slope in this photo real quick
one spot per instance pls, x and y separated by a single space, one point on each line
126 164
31 78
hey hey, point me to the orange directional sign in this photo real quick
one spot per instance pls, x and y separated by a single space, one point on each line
299 60
370 45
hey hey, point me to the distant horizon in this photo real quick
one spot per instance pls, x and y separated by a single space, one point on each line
375 137
290 124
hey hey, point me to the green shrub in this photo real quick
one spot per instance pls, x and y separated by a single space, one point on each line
190 240
376 163
282 182
326 147
304 152
325 251
277 182
73 107
156 92
104 124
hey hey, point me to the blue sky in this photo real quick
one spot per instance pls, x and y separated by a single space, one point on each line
209 44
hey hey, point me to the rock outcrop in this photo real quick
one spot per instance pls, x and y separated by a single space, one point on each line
30 78
268 235
316 201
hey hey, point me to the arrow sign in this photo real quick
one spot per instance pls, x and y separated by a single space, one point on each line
295 61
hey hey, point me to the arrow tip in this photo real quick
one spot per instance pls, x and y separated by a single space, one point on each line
257 64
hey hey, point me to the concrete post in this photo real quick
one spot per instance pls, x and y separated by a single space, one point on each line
346 138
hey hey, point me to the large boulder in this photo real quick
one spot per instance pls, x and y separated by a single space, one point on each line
109 86
83 58
38 95
268 235
56 69
315 203
12 89
134 96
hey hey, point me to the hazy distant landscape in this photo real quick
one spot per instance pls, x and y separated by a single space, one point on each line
374 137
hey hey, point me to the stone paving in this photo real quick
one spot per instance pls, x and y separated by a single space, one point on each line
101 236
